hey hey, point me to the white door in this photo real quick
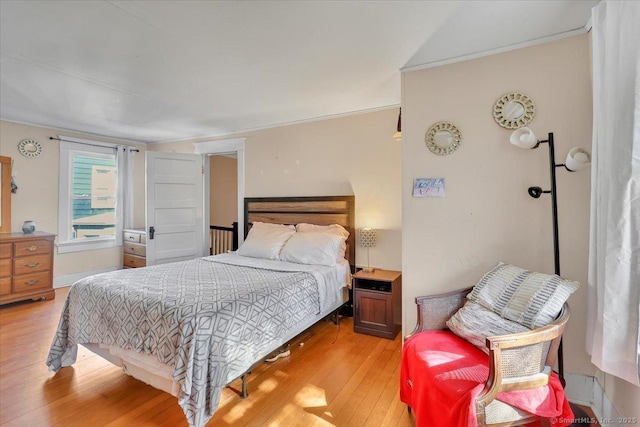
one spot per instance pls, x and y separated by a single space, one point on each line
175 199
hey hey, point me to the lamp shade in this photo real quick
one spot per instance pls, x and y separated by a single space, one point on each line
368 237
577 158
523 138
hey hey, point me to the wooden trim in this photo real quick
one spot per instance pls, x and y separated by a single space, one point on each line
321 210
5 226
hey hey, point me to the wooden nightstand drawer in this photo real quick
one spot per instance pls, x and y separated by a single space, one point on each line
32 264
133 261
135 249
33 247
29 282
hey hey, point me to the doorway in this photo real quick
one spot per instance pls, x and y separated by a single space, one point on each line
223 202
214 150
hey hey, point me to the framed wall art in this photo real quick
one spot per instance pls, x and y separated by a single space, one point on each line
428 187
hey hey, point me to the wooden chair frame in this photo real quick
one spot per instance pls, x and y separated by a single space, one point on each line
511 364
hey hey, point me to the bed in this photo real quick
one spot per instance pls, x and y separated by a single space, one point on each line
190 328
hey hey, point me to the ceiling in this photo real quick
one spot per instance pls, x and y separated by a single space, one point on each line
153 71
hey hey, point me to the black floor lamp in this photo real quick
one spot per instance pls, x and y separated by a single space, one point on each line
577 158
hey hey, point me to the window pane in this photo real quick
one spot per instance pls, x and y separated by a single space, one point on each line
94 195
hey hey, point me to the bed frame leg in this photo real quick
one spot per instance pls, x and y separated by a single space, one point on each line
245 393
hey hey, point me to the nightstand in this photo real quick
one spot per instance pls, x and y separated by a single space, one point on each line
135 248
377 299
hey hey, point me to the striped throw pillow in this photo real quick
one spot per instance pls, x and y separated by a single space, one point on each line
475 323
529 298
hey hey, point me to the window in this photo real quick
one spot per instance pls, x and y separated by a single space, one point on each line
88 195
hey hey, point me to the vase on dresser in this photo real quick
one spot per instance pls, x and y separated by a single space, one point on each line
29 227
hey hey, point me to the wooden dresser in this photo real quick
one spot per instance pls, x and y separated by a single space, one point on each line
135 248
26 266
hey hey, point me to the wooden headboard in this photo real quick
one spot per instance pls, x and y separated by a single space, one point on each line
313 210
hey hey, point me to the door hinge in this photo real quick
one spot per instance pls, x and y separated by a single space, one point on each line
202 169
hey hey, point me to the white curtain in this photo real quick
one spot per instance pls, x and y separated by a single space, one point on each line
124 205
614 255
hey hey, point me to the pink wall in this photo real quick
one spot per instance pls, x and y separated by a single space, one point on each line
487 215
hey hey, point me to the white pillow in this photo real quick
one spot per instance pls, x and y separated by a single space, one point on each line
272 226
475 323
334 229
529 298
312 248
266 240
329 229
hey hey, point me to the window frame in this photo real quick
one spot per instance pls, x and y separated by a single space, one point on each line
69 147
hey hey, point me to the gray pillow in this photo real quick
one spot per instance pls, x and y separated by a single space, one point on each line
475 323
529 298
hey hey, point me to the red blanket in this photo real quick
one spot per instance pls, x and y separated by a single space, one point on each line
442 374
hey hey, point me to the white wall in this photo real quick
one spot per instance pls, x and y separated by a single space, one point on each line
339 156
487 215
37 195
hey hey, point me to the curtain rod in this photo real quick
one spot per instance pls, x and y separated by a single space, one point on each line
93 145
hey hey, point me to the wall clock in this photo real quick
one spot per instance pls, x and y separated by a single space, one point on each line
30 148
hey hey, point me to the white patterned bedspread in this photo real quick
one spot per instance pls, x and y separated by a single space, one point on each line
211 318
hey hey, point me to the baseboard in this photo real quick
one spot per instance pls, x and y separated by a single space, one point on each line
69 279
586 390
580 389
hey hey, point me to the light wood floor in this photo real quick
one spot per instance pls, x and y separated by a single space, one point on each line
337 378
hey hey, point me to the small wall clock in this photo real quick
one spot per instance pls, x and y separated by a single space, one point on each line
30 148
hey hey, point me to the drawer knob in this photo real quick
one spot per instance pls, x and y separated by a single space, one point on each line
31 282
33 264
32 248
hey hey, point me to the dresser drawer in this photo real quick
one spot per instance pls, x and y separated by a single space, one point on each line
135 249
30 282
5 250
5 267
5 285
26 266
31 264
133 261
33 247
131 237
